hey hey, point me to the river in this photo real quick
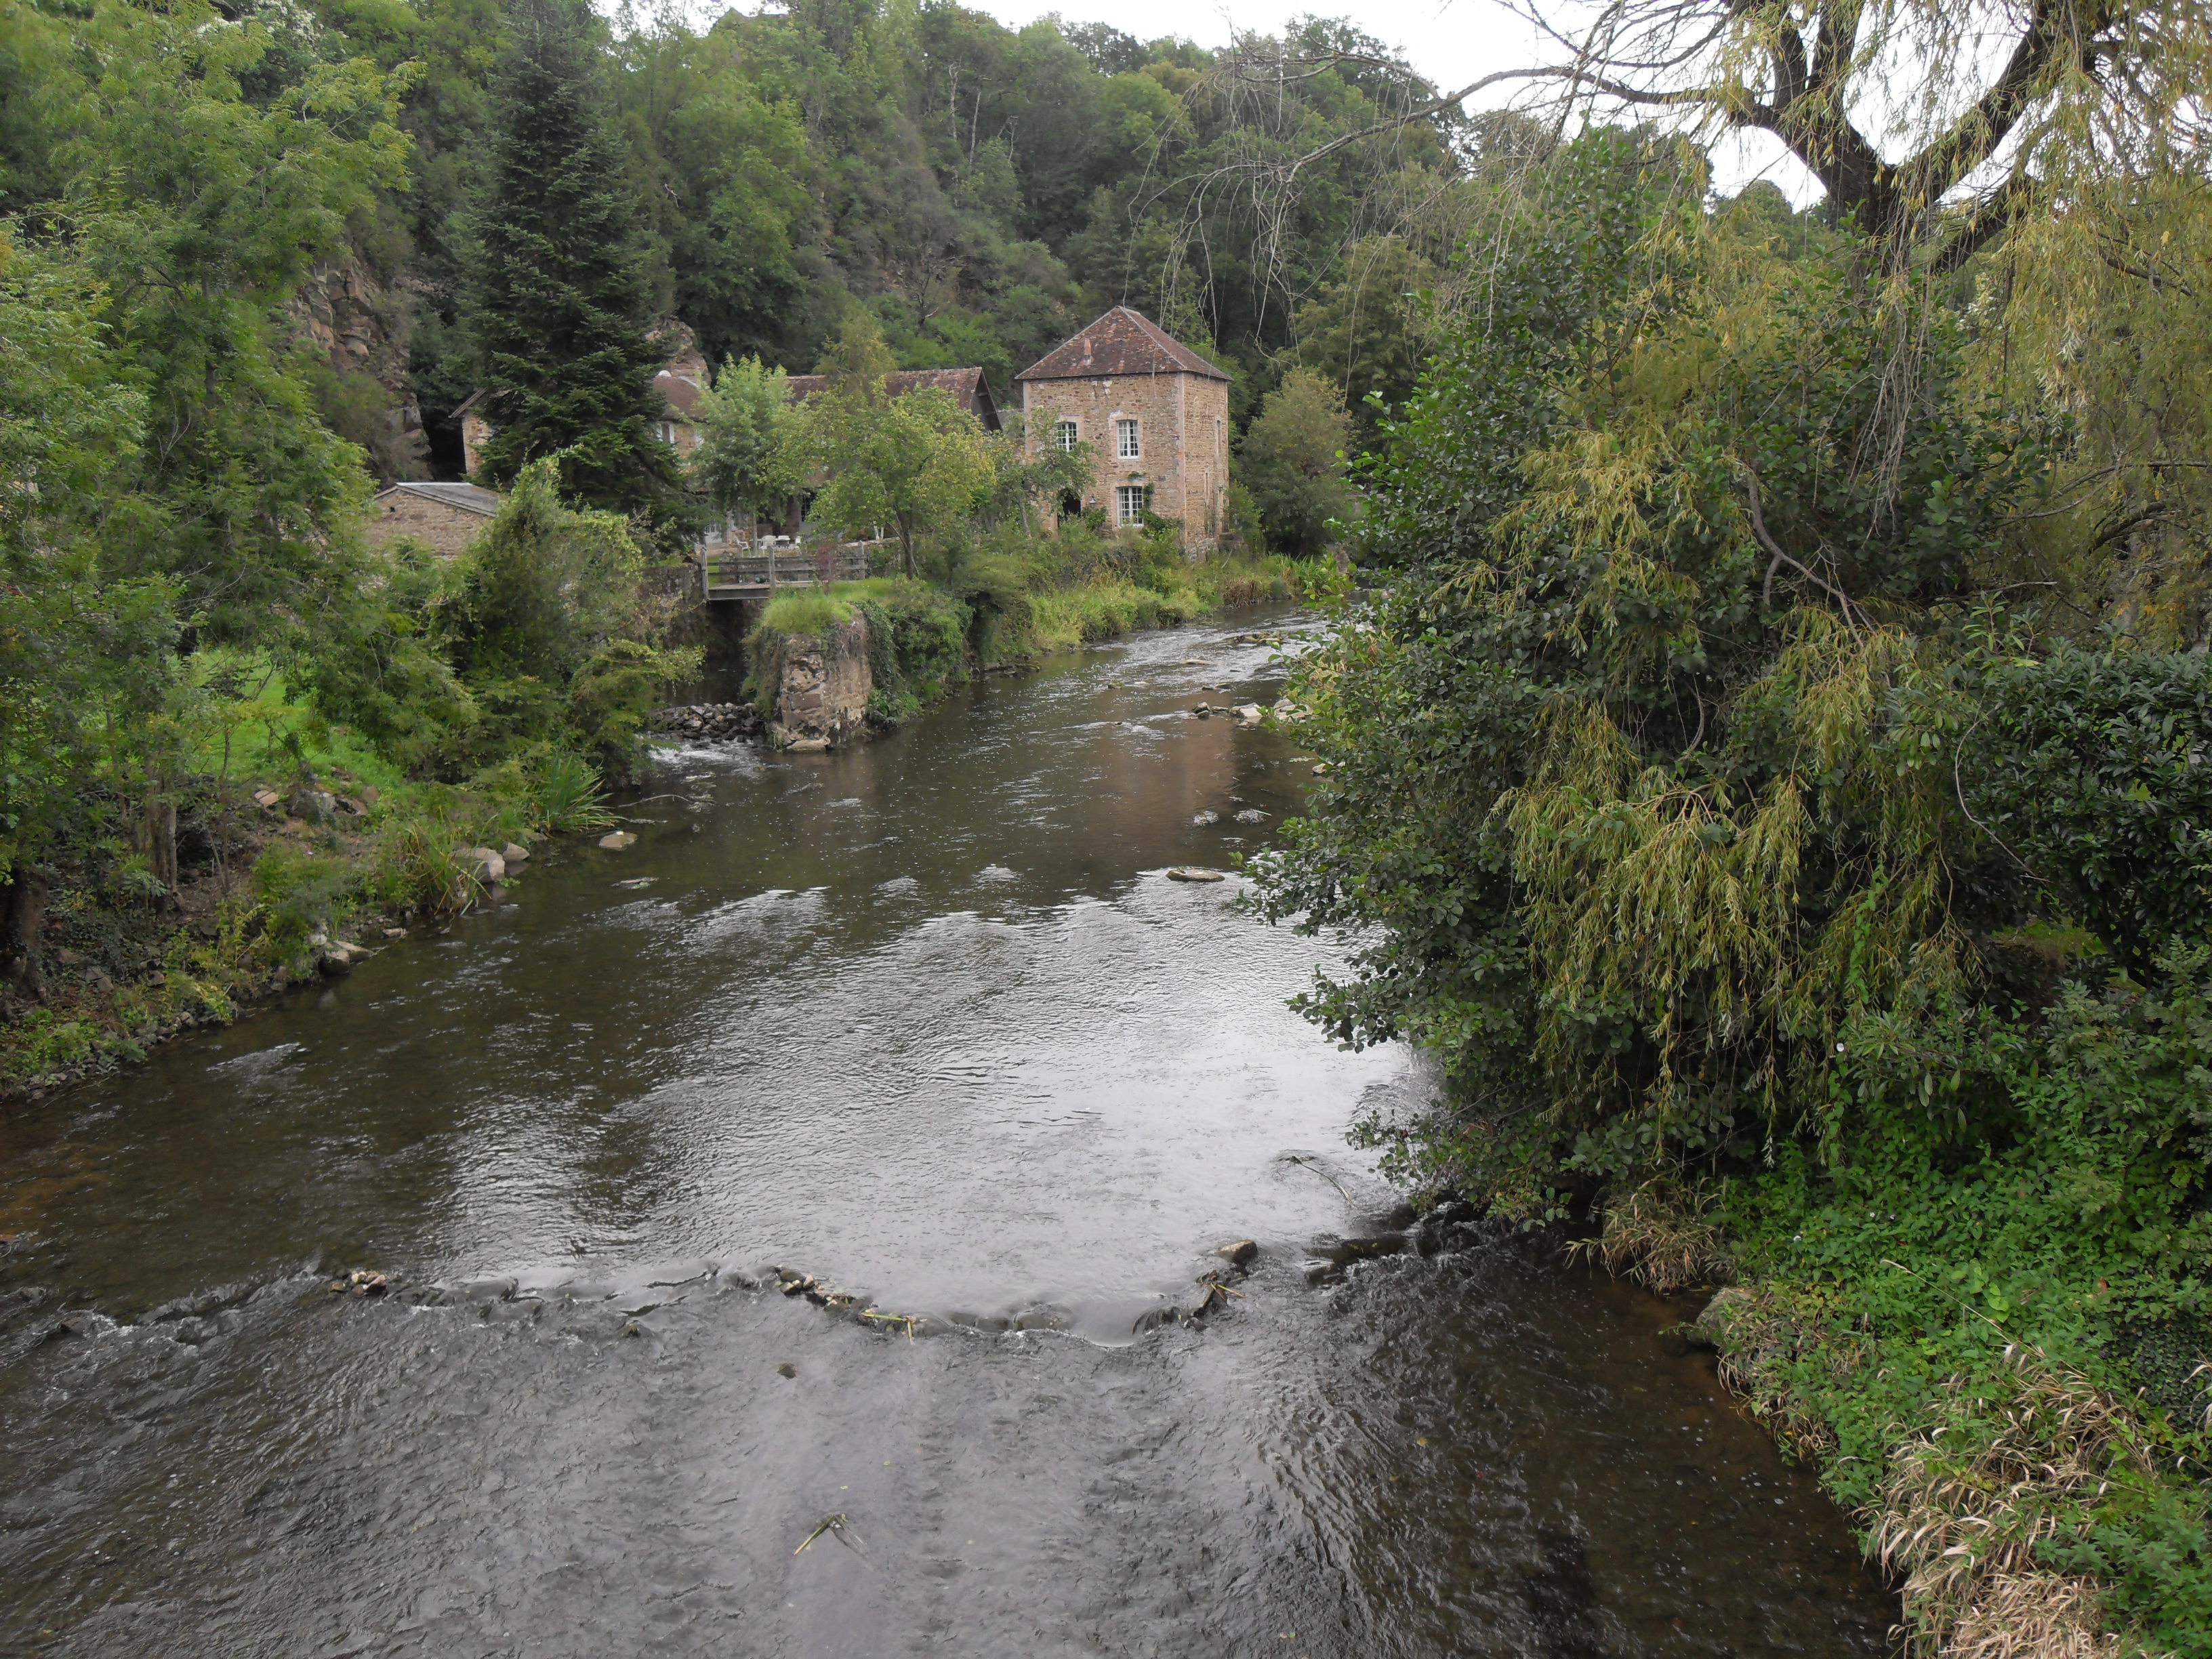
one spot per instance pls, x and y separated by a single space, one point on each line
925 1021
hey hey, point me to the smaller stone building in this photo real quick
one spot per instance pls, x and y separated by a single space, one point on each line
1155 414
444 517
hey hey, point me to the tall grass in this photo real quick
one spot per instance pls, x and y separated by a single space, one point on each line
810 612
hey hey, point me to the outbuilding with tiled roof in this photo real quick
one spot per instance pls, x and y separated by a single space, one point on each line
966 386
444 517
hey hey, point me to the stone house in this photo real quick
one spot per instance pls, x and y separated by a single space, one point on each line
444 517
1155 413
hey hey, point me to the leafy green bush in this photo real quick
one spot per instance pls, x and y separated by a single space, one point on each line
917 644
2097 773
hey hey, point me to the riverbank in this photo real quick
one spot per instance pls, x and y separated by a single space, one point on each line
1994 1354
272 885
307 841
825 664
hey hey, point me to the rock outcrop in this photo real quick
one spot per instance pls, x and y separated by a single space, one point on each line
361 326
821 687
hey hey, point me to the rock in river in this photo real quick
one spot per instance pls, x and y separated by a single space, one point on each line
1192 872
486 866
617 841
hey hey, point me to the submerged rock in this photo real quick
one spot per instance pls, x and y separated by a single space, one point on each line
1194 872
617 840
1201 819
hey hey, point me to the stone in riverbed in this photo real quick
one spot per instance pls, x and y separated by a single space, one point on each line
1192 872
1246 711
486 866
616 840
1239 1253
1201 819
514 853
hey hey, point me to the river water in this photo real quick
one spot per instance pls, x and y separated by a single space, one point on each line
924 1021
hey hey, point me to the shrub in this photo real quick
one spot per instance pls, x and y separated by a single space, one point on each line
2098 774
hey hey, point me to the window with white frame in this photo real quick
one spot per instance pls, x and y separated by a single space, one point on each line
1063 433
1125 440
1129 502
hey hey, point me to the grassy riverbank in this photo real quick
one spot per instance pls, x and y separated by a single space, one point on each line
290 842
1993 1347
1009 599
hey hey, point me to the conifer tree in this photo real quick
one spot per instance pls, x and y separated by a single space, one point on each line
557 299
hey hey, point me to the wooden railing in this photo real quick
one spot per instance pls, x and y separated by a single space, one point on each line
728 574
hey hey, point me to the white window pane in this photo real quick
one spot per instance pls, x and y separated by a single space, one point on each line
1125 440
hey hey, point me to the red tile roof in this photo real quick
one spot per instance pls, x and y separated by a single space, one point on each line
679 391
1120 343
966 387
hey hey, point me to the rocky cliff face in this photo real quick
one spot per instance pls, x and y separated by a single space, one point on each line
360 326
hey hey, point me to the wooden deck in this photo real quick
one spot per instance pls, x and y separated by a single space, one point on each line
736 575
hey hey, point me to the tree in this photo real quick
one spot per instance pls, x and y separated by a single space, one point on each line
1367 332
744 462
202 184
1292 461
550 633
85 661
1020 477
920 463
557 301
1946 163
1940 164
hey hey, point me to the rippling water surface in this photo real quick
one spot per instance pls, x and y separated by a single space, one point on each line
923 1020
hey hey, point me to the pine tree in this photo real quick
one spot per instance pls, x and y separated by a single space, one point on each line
557 301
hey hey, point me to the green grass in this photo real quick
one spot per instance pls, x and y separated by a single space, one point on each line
813 611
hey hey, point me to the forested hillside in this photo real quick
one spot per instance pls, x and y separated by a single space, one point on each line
982 191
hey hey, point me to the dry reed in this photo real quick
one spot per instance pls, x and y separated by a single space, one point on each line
2006 1467
1661 1236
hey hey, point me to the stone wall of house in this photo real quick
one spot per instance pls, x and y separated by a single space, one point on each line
822 689
1182 435
446 531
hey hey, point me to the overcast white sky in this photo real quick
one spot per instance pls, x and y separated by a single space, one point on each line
1452 44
